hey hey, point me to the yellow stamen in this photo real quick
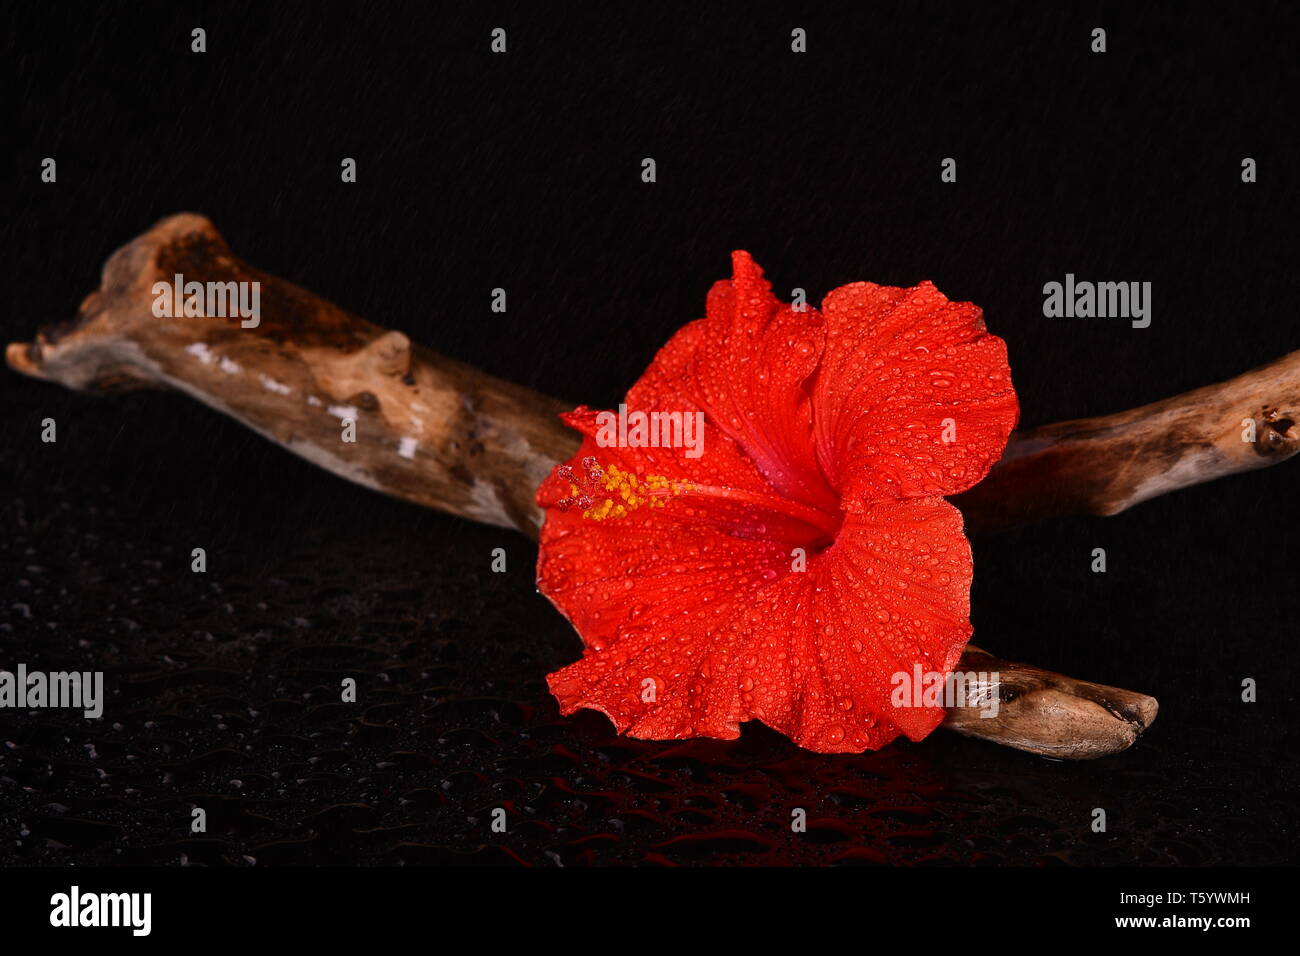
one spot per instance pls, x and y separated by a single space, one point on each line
652 491
634 492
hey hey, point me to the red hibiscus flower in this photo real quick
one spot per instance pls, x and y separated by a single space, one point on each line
807 556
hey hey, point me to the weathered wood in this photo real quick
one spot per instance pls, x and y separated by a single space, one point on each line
1051 714
428 429
1101 466
441 434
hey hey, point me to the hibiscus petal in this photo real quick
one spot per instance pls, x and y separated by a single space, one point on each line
748 373
651 566
913 397
724 631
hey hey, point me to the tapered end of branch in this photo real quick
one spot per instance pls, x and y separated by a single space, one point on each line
22 357
1051 714
100 349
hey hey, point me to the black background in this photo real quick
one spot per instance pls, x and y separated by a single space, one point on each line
523 171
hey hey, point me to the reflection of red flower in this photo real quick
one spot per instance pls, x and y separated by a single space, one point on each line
835 432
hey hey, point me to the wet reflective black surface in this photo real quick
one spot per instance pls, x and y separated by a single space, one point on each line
522 171
224 694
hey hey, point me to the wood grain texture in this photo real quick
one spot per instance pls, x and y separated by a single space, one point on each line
1051 714
429 429
1104 465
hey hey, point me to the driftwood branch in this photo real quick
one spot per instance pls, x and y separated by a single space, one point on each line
1051 714
1102 466
441 434
429 429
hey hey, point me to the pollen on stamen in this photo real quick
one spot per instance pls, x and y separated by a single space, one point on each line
627 492
614 493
